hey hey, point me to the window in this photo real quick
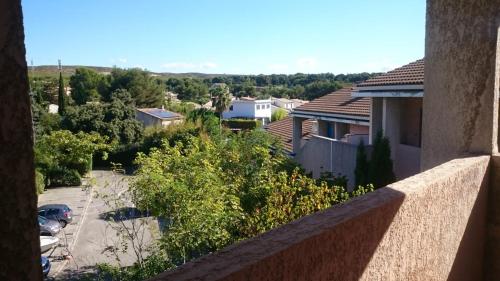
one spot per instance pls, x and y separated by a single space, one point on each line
231 108
258 107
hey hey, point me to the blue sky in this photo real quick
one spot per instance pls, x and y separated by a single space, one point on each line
227 36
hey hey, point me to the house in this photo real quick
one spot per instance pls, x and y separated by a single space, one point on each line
249 108
283 130
283 103
341 123
53 108
157 117
396 110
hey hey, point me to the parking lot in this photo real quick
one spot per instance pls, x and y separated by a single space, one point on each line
88 239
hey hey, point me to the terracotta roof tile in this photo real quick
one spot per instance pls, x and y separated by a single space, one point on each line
339 102
410 74
283 130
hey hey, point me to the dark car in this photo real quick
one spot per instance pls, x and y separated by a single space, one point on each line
59 212
45 266
48 227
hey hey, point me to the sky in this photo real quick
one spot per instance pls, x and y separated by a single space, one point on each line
227 36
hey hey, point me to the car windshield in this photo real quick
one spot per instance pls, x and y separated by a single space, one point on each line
42 220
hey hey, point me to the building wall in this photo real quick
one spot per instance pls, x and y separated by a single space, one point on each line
462 65
147 120
248 109
411 119
359 129
406 231
321 154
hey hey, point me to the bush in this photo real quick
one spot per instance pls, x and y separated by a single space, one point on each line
243 124
279 114
39 182
62 176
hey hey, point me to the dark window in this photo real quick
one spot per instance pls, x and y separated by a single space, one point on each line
231 108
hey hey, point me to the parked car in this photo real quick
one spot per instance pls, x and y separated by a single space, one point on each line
45 266
59 212
48 227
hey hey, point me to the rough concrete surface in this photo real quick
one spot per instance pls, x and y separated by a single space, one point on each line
428 227
19 245
460 108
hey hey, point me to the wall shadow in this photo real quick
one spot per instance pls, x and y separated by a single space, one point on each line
335 244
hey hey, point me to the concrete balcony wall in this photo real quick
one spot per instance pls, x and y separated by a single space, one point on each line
431 226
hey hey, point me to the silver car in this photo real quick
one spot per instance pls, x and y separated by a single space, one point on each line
48 227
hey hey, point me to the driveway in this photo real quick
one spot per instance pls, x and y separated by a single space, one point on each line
98 234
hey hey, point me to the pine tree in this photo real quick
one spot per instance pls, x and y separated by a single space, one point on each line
362 166
380 172
61 96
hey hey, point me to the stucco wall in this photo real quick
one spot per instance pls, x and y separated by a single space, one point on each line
461 79
320 154
427 227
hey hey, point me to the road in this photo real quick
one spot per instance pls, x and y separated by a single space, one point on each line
92 236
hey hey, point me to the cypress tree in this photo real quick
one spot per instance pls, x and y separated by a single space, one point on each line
61 97
380 172
362 167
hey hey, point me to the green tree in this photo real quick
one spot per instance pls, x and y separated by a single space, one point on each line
362 166
145 90
221 99
380 172
63 157
61 96
87 85
278 115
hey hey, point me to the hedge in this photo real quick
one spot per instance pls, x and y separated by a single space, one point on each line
243 124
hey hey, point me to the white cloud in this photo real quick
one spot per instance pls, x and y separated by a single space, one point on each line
307 64
189 65
122 60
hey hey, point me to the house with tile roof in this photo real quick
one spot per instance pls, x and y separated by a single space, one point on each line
323 135
396 110
157 117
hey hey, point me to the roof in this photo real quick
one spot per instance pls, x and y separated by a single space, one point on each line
410 74
338 102
283 130
160 113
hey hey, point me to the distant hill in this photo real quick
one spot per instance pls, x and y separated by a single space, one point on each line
68 70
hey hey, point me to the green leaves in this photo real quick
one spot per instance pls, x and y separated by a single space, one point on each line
215 190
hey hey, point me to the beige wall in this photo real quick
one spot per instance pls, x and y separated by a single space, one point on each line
411 109
321 154
407 231
359 129
461 79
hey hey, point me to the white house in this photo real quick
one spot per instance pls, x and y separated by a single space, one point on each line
283 103
249 108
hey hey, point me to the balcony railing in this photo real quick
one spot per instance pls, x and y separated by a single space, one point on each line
431 226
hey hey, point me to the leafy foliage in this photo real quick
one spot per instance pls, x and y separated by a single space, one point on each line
362 166
278 115
380 170
87 85
145 90
63 157
212 191
189 89
61 96
115 120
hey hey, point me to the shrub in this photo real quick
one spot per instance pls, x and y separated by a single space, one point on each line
279 114
243 124
39 182
380 171
62 176
362 166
